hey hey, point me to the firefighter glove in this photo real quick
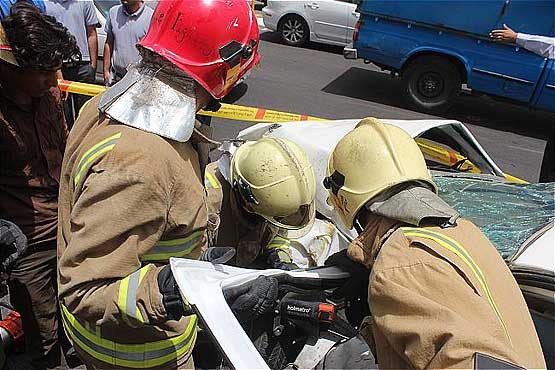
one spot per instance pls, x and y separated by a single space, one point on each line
13 244
175 305
254 298
218 254
357 285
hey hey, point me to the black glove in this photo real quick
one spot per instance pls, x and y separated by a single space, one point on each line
280 259
254 298
13 244
355 290
176 307
217 254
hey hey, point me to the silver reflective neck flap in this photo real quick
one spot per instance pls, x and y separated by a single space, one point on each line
413 205
151 100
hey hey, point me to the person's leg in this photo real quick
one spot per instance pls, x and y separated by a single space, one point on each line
85 74
32 293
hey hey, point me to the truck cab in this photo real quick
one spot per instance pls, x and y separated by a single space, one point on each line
437 46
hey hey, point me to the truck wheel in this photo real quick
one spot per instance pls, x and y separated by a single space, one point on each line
432 83
294 30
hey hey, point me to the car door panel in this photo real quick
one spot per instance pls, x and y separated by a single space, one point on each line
328 19
546 96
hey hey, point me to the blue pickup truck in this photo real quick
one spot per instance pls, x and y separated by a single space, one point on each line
436 46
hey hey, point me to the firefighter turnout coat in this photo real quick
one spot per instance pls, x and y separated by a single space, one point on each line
440 296
129 200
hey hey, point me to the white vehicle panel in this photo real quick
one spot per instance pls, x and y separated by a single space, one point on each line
202 283
540 253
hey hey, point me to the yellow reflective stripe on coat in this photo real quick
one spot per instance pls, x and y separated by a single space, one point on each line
279 242
135 356
281 245
127 297
210 182
92 154
165 249
454 246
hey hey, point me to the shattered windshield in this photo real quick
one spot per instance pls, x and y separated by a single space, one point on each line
507 213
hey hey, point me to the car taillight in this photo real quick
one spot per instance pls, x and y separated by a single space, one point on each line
357 29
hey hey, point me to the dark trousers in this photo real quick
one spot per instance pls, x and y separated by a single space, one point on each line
33 293
80 72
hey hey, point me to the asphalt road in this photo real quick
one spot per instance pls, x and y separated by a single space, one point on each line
317 81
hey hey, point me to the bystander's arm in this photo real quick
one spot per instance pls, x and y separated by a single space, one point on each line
92 41
108 48
542 45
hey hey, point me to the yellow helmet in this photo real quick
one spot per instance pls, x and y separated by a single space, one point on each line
370 159
275 180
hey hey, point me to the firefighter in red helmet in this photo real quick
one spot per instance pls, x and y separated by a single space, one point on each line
132 195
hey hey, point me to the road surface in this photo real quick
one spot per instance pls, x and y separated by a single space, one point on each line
318 81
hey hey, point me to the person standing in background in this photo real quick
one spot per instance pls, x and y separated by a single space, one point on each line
543 46
5 6
32 142
79 17
125 26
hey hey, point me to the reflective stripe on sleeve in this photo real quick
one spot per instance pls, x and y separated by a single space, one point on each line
92 154
136 356
455 247
165 249
210 182
279 242
281 246
127 298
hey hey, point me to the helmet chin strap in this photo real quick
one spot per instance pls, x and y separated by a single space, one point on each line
358 226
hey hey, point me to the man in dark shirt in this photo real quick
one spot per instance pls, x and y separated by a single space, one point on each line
32 140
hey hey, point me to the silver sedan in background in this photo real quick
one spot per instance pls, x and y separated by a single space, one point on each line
326 21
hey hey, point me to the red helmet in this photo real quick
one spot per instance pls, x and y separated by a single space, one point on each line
213 41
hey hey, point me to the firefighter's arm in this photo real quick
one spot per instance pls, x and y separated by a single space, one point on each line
117 218
278 253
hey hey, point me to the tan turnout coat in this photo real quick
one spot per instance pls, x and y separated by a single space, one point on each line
129 200
438 296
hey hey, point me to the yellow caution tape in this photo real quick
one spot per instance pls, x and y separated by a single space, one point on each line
252 114
80 88
515 179
229 111
445 156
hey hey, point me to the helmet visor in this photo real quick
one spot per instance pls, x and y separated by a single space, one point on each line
298 220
